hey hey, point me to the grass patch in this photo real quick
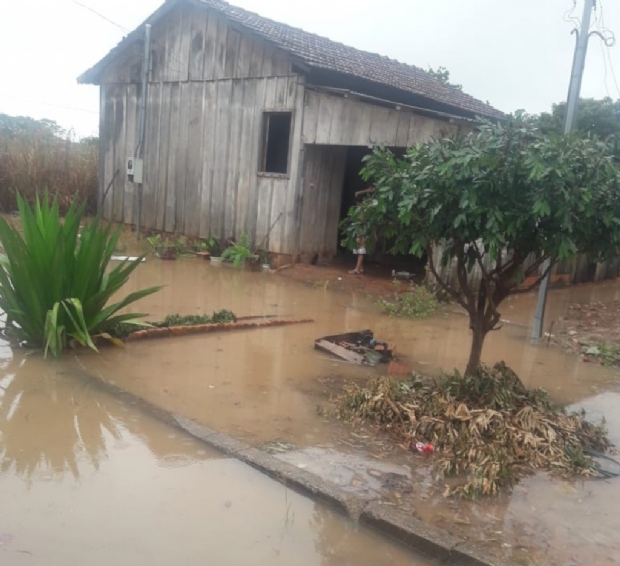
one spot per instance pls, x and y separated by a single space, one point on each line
417 303
488 430
121 331
608 353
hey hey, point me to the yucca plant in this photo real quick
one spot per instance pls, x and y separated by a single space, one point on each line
55 284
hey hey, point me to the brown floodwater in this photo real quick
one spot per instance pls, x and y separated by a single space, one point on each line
86 478
255 383
263 386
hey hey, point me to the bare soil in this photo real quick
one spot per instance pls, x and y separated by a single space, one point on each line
592 331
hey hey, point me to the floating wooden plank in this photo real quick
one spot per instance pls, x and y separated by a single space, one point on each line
339 351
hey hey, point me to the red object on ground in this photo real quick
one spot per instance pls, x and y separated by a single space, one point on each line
424 448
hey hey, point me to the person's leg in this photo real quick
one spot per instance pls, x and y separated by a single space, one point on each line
359 266
360 263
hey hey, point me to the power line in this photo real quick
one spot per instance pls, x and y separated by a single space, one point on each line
119 26
21 98
608 40
126 31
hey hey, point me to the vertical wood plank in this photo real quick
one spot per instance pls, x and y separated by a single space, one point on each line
329 245
107 144
182 158
172 63
195 161
256 58
151 160
232 53
244 56
119 150
246 170
337 132
185 41
234 158
210 47
219 61
390 128
209 141
197 44
220 172
163 155
378 127
402 130
324 120
173 138
256 148
363 124
289 231
131 119
311 116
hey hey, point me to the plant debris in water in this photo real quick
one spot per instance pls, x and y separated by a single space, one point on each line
418 302
218 317
488 429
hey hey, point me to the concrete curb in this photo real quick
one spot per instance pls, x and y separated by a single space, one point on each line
413 533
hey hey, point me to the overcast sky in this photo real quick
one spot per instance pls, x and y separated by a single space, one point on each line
513 53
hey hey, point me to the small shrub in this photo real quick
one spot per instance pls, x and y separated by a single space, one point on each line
55 285
239 251
417 303
608 353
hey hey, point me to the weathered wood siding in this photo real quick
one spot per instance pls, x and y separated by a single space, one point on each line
578 270
334 120
323 179
201 158
209 88
194 44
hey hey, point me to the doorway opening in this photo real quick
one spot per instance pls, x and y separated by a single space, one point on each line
379 252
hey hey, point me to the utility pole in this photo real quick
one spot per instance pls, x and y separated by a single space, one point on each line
146 65
574 90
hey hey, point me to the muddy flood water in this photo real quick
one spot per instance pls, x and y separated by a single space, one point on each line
87 479
270 388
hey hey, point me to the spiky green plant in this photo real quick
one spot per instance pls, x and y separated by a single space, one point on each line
55 284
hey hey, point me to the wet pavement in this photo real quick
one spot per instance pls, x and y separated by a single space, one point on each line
88 479
269 387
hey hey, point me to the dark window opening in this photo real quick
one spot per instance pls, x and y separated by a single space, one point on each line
276 140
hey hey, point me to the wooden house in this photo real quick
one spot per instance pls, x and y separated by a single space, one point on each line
255 126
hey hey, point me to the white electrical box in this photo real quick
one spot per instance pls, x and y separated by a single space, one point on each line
135 168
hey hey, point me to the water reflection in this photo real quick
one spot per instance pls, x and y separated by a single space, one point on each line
54 422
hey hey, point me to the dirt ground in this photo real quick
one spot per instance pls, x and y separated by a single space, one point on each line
592 331
376 281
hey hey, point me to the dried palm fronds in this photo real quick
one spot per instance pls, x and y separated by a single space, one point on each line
488 429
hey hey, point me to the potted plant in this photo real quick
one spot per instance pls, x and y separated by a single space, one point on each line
238 252
214 247
201 249
263 258
163 248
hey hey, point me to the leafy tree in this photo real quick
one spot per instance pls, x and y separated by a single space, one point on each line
443 76
597 117
501 200
14 126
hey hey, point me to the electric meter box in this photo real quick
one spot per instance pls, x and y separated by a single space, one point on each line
135 168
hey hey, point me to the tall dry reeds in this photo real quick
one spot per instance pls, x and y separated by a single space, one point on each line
36 155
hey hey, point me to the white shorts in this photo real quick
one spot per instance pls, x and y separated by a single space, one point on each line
360 251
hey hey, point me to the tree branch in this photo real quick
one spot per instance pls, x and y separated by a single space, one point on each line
448 288
515 291
462 274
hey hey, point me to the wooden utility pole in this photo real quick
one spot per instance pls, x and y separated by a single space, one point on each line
574 90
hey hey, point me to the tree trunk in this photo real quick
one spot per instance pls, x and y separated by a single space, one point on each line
476 348
477 325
